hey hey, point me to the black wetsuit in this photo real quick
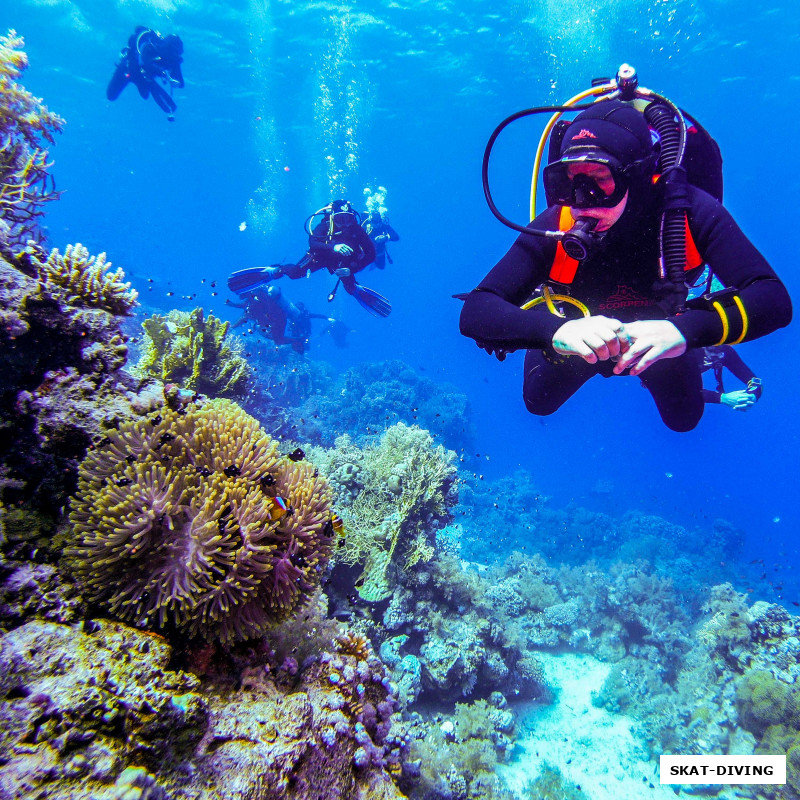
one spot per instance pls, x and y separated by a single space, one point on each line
617 281
148 59
724 357
278 318
382 229
321 253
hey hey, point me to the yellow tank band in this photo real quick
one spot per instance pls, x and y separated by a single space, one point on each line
726 328
745 321
559 298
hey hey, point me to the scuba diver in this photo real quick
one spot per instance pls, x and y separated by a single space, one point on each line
279 319
625 229
337 243
717 358
377 226
149 59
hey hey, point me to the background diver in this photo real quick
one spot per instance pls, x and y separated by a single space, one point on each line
603 174
719 357
148 59
377 226
339 244
283 321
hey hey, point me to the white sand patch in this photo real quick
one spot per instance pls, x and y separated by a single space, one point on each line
593 748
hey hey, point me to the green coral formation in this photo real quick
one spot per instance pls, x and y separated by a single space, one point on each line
88 280
459 758
551 785
25 184
770 708
762 700
393 490
192 519
195 352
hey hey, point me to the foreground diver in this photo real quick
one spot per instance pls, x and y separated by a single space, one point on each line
148 59
279 319
725 357
381 232
337 243
603 176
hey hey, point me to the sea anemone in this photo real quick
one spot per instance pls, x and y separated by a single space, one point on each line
192 519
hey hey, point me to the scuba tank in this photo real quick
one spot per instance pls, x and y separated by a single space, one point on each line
688 155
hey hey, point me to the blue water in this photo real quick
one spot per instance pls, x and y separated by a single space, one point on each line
404 95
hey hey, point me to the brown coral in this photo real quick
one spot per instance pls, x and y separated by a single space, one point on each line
193 519
25 184
353 644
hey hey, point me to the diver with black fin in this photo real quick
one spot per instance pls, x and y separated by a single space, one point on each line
148 60
277 318
337 243
627 230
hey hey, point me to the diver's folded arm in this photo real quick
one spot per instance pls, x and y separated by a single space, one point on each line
491 319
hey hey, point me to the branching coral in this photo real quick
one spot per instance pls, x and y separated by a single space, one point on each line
24 181
88 280
194 351
406 483
183 520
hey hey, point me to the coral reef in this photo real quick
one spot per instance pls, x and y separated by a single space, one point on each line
61 357
458 757
25 185
306 400
88 280
397 494
191 518
371 397
195 352
94 710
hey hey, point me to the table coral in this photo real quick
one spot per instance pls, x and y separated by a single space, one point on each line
192 518
194 351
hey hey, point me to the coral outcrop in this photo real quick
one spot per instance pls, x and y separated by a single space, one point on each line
191 518
25 185
94 710
88 280
194 351
370 397
394 495
61 356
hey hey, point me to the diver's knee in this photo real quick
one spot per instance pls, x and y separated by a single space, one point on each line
682 423
540 404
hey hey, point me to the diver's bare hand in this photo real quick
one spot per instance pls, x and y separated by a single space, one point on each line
592 338
651 340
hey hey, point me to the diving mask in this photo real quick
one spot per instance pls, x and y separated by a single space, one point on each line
585 180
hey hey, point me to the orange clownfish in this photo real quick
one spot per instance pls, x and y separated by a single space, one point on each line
278 509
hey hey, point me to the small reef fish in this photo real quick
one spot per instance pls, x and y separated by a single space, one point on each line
242 226
278 509
296 455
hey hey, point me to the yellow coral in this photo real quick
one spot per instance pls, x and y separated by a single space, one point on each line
355 645
194 351
181 519
88 280
25 185
19 109
406 479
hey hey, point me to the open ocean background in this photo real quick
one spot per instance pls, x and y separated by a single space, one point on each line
404 95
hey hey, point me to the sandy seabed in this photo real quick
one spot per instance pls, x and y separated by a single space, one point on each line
599 751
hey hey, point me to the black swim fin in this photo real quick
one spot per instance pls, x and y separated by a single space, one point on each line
250 279
375 303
